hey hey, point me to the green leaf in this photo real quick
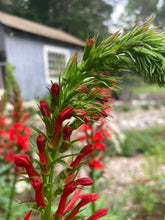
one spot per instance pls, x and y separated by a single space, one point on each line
62 162
5 168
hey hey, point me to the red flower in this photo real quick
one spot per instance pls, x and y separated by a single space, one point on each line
2 133
9 156
24 161
97 137
84 152
92 197
23 142
98 214
73 200
19 134
28 215
44 109
99 145
85 127
84 181
97 165
68 189
37 186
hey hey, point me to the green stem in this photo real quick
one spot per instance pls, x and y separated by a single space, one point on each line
47 210
93 190
11 197
47 213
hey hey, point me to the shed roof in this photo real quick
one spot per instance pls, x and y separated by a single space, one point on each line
38 29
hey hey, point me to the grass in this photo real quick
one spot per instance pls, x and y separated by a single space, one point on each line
147 89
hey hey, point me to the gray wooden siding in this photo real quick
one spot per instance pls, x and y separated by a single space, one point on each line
26 54
2 37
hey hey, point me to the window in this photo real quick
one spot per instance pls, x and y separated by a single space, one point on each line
55 59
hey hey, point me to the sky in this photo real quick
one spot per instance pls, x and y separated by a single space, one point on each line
118 10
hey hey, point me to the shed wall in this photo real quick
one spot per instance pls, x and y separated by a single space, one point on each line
26 54
2 37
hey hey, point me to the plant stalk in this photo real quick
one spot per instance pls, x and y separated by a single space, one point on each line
11 197
93 208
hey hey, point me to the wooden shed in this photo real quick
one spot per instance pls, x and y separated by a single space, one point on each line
38 53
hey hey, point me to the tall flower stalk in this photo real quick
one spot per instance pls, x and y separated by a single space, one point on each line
14 133
76 100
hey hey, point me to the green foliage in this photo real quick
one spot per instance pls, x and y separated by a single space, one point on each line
125 108
141 50
143 194
17 210
143 88
142 140
149 195
115 211
145 107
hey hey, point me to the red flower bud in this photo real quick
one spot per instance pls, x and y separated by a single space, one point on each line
90 43
102 99
98 214
73 200
84 181
103 113
21 160
64 114
37 186
95 117
69 188
87 149
90 197
24 161
67 131
81 89
55 89
40 141
87 119
44 109
79 112
67 134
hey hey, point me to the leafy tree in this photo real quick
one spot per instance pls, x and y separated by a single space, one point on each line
160 15
141 10
75 17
